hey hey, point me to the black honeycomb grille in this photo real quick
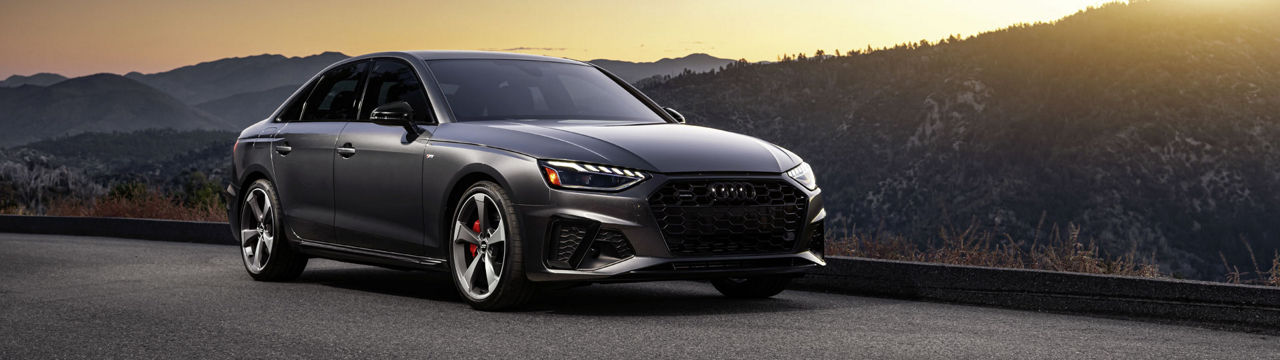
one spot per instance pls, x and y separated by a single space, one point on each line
615 241
567 238
761 217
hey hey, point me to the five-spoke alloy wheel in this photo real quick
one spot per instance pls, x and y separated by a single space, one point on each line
256 225
267 256
484 254
481 243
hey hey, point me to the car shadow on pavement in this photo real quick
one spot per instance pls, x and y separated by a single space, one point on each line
415 284
673 298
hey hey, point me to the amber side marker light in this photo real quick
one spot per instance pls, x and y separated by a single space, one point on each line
553 177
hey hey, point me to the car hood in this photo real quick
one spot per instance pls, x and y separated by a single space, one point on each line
667 148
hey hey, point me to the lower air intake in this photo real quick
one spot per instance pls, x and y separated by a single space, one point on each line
582 245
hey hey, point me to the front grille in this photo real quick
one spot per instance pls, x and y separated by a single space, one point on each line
699 217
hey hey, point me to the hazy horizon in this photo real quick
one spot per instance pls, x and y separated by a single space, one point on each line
120 37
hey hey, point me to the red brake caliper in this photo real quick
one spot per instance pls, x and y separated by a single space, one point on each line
474 227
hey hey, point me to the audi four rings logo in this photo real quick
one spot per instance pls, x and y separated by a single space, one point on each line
733 191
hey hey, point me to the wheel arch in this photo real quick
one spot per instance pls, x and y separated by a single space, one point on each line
251 174
470 175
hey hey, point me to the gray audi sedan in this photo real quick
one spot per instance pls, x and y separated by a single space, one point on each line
515 172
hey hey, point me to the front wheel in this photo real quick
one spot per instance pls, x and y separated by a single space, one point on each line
485 250
751 288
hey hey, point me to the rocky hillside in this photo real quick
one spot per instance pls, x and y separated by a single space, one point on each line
1152 124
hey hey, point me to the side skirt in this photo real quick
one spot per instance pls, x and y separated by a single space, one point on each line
370 257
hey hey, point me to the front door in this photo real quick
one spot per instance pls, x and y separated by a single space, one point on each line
378 180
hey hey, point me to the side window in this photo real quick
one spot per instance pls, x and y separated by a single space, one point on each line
336 95
293 110
391 81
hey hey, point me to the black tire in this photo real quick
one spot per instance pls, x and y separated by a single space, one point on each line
514 288
283 263
751 288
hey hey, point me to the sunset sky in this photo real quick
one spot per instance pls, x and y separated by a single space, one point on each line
76 38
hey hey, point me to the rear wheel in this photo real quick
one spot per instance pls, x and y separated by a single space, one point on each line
267 255
751 288
485 250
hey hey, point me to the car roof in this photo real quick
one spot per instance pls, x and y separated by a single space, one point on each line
428 55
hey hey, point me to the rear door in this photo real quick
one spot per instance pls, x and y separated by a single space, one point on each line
304 151
379 183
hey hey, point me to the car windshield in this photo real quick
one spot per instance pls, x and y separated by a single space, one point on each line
482 89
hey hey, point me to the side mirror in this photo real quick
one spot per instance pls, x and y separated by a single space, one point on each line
675 114
397 113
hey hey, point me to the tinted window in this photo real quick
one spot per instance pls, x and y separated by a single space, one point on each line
520 89
294 109
337 94
391 81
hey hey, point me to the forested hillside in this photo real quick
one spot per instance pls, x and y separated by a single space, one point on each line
1153 125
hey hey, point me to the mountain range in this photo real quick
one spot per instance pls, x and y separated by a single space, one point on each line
226 94
214 80
95 103
40 79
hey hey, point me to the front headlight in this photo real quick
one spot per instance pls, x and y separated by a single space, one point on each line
583 176
804 175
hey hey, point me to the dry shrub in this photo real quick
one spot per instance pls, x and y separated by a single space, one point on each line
17 210
143 204
1269 277
1234 275
1273 276
983 248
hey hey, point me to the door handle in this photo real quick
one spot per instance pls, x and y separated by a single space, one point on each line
284 149
346 150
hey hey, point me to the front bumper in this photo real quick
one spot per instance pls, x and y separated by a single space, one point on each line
628 212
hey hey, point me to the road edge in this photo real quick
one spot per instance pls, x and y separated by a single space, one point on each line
141 229
1231 305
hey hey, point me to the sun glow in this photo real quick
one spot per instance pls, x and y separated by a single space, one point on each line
78 37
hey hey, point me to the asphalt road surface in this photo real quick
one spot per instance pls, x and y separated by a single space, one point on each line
82 297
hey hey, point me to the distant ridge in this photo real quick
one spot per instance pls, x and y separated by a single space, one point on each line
94 103
218 79
40 79
635 71
247 108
